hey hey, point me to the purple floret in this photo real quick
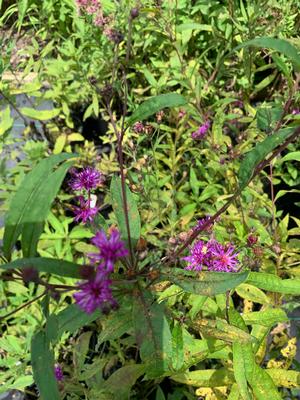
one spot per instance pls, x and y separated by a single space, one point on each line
95 294
201 131
199 256
86 179
84 212
224 258
58 372
110 249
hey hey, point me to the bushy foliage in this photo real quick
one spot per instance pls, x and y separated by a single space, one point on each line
150 248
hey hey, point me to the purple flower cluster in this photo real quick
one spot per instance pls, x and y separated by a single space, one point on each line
203 221
201 131
96 292
85 181
212 256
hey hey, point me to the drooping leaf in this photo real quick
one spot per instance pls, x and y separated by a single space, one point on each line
43 367
6 122
263 386
25 198
259 153
281 45
48 265
204 283
133 212
273 283
155 104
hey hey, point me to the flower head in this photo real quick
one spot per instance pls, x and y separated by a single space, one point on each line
87 179
201 131
84 212
224 258
95 294
110 249
199 257
58 372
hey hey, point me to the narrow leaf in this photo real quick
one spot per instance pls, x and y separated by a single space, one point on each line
155 104
259 153
43 367
133 212
273 283
204 283
48 265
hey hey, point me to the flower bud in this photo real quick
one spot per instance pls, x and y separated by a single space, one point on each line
252 240
30 274
134 12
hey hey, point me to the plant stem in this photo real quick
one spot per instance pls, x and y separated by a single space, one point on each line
23 306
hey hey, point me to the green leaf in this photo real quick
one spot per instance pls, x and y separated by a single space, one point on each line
122 380
69 320
155 104
252 293
268 116
193 26
6 122
177 347
25 199
33 221
41 115
153 335
263 386
48 265
293 155
284 378
221 330
273 283
267 318
43 367
259 153
133 212
239 370
205 378
280 45
204 283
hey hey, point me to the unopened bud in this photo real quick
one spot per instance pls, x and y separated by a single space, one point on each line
134 12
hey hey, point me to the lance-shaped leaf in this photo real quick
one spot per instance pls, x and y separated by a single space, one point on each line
155 104
33 222
252 293
284 378
281 45
259 153
221 330
43 367
204 283
48 265
121 381
205 378
266 317
26 198
40 115
68 320
273 283
133 212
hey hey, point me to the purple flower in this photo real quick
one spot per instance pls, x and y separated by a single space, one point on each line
296 111
88 179
199 257
95 294
224 258
84 212
201 131
58 372
110 249
202 222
